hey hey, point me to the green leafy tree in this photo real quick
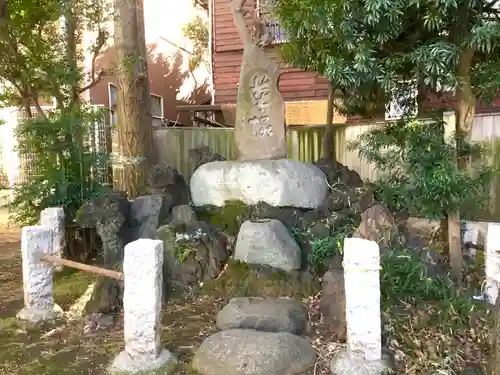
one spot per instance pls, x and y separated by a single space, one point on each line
197 32
377 50
41 61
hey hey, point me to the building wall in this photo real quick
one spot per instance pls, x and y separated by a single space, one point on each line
227 56
168 71
295 85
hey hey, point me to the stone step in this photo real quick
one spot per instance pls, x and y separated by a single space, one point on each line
263 314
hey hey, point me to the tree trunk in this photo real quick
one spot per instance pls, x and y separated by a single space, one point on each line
135 138
329 140
465 111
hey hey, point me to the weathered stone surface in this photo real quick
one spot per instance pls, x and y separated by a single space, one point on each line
345 363
267 242
183 214
283 182
249 352
39 303
193 253
260 111
362 292
378 225
147 213
142 302
263 314
332 303
54 218
163 179
203 155
109 215
337 173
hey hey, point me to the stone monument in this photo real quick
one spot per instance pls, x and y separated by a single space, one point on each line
263 173
260 113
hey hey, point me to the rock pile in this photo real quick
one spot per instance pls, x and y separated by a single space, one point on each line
259 336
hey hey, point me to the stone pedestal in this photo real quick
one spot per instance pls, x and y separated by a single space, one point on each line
39 306
53 218
279 183
363 355
142 304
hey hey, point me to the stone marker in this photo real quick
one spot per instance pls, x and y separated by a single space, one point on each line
53 217
260 111
470 237
492 262
39 303
142 302
363 355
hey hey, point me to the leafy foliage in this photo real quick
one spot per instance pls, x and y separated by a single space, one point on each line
39 56
430 326
197 31
376 49
41 63
65 173
419 175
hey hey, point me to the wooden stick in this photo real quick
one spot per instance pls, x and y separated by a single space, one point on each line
83 267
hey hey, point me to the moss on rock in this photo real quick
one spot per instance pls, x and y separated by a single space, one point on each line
227 218
242 279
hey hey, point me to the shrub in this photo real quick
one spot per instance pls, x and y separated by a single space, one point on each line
64 168
418 169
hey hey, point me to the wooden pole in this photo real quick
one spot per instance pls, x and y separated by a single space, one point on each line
83 267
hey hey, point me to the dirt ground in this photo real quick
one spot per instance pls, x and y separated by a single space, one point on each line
66 348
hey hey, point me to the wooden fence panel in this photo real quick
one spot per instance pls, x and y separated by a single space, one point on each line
306 144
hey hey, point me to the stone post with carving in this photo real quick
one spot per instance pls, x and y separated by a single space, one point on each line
142 305
363 355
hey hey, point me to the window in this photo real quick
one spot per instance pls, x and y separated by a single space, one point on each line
156 106
272 28
112 98
402 102
399 105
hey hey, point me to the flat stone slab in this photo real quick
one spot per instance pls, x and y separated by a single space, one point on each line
263 314
249 352
164 364
37 315
279 183
345 364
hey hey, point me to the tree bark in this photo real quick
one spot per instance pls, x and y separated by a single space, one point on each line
465 111
329 140
135 138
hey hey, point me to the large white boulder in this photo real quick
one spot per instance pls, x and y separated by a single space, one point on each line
280 183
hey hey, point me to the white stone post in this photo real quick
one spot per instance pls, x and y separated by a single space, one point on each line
492 261
39 303
363 355
53 218
142 304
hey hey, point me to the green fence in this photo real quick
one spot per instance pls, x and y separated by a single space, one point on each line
304 144
173 144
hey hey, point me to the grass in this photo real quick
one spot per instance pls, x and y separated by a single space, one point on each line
430 326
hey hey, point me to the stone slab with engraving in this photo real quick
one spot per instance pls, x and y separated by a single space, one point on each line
260 112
